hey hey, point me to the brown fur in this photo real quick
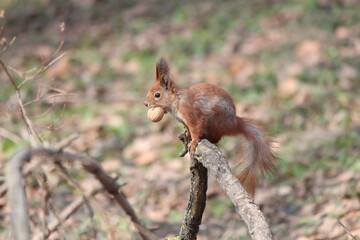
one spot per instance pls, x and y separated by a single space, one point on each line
209 112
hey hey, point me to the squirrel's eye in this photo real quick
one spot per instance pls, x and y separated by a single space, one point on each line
157 95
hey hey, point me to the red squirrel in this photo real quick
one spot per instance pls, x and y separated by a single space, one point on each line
209 112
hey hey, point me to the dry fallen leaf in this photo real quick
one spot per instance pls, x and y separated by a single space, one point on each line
146 158
309 51
308 48
146 144
288 87
342 32
110 165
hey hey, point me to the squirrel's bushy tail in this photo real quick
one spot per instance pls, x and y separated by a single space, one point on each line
256 153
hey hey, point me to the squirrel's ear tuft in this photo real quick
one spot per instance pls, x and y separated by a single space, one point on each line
162 69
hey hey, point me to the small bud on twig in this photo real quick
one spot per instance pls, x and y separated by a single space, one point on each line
62 27
3 41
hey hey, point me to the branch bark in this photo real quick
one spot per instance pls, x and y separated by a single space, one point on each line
17 195
197 197
211 157
66 213
92 166
197 201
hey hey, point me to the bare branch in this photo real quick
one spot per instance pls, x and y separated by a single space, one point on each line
67 212
9 45
9 135
197 201
27 170
2 16
347 230
17 195
75 184
17 191
197 197
49 62
24 115
91 165
59 219
39 95
45 193
41 70
211 157
44 113
66 142
36 100
52 125
46 63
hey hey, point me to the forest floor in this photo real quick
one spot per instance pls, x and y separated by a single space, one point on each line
292 65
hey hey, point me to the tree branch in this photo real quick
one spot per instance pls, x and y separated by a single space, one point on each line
17 195
67 212
211 157
24 115
197 201
17 198
197 197
92 166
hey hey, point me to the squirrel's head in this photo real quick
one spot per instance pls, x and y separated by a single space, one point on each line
163 92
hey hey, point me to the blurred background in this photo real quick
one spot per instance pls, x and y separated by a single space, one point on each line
292 64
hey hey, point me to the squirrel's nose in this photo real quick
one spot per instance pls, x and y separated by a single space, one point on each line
146 104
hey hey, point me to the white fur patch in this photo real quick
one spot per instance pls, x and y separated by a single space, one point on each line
178 116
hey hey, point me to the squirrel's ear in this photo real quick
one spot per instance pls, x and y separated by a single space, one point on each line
168 83
162 68
165 81
163 74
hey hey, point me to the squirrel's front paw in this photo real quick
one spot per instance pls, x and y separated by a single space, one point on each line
192 149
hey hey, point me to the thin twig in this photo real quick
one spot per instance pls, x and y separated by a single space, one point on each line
44 113
58 90
9 45
47 63
45 193
58 218
62 29
41 70
24 115
2 25
47 98
39 95
92 166
66 142
347 230
51 127
75 184
9 135
67 212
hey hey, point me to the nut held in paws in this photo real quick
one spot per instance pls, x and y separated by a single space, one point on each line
155 114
